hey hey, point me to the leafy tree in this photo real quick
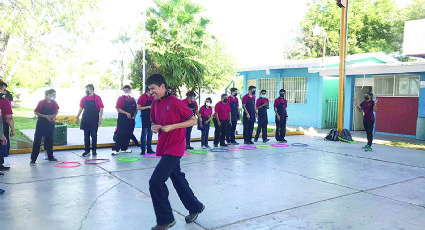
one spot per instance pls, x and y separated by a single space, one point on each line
181 48
122 42
415 10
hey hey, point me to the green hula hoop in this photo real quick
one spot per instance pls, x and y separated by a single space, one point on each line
264 147
341 139
129 159
198 151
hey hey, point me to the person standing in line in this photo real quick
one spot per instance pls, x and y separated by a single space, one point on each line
280 108
206 115
46 111
170 116
222 121
92 118
234 106
368 106
8 123
127 111
191 103
3 142
262 106
249 114
144 104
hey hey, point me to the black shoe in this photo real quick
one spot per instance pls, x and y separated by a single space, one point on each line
142 152
2 191
189 147
32 162
85 154
255 140
1 174
251 143
283 141
192 217
52 159
164 226
215 146
150 151
246 143
4 168
235 143
223 145
94 154
265 141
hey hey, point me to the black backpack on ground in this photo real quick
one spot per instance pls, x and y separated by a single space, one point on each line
332 135
346 135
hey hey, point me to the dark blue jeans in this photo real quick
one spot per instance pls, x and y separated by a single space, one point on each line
205 133
169 167
5 148
188 134
87 135
146 132
231 132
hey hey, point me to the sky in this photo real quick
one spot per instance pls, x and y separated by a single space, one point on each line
255 33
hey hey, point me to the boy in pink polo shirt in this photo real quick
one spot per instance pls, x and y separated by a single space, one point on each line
170 117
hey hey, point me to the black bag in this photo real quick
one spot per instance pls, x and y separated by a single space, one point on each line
346 135
332 136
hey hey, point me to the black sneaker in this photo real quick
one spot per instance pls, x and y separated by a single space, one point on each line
52 159
215 146
283 141
94 154
164 226
192 217
85 154
4 168
224 145
235 143
265 141
251 143
32 162
189 147
2 191
142 152
150 151
1 174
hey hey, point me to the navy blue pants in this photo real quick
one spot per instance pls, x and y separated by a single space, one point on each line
368 126
281 128
48 146
5 148
87 135
169 167
205 131
188 134
261 128
248 128
231 132
146 139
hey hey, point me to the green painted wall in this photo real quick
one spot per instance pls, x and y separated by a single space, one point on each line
330 89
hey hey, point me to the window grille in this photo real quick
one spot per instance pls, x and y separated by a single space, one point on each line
396 85
295 89
270 85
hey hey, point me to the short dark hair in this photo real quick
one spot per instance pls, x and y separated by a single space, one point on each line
156 79
263 91
233 90
147 89
282 90
251 87
126 87
9 96
190 93
370 94
2 84
90 86
207 99
223 95
49 91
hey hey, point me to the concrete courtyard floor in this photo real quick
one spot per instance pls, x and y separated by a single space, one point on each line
326 185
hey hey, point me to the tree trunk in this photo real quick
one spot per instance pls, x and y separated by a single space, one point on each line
4 40
122 73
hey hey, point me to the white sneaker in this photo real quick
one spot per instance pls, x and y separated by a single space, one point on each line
114 153
126 151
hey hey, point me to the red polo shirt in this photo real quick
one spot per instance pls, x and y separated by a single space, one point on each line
246 97
98 101
186 102
144 98
279 101
44 104
222 110
261 101
169 111
204 112
120 101
5 107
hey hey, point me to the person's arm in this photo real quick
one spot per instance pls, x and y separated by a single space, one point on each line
286 112
245 110
2 137
11 122
268 104
230 117
374 106
100 115
218 118
124 112
188 123
77 120
277 114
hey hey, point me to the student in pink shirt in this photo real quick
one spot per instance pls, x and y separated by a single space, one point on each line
222 121
170 117
262 105
144 104
206 115
191 103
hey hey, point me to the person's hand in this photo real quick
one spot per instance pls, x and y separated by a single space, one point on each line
128 115
206 122
77 120
156 128
230 123
100 121
4 140
218 123
167 128
376 101
200 125
12 133
278 117
248 116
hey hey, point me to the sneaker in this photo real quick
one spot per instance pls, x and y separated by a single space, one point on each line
114 153
265 141
126 151
235 143
251 143
52 159
365 147
215 146
255 140
94 154
368 149
1 174
85 154
4 168
142 152
192 217
207 147
2 191
203 147
150 151
283 141
224 145
164 226
32 162
189 147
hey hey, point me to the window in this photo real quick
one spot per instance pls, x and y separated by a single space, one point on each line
295 89
270 85
402 85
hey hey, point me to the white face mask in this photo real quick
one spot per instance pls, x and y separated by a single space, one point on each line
126 94
52 98
263 96
208 104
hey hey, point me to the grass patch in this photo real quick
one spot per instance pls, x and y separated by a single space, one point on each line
405 145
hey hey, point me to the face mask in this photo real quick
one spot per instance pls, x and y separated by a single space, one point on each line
208 104
126 94
225 101
87 92
282 94
235 94
366 98
263 96
253 92
52 98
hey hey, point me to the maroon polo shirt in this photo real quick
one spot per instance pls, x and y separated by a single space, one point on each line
169 111
98 101
144 98
44 104
205 112
5 107
261 101
222 110
279 101
367 107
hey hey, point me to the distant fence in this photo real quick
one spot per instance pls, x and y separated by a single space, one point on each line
331 112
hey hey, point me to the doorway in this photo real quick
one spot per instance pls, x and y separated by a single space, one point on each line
359 93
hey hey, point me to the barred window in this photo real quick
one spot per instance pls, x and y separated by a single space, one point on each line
269 84
295 89
397 85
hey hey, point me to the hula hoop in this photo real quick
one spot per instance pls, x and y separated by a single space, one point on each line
300 145
92 161
218 150
59 164
341 139
153 155
198 151
248 147
129 159
233 149
264 147
279 145
186 154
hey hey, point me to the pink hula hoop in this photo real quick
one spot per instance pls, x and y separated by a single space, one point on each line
279 145
248 147
233 148
153 155
59 164
186 154
93 161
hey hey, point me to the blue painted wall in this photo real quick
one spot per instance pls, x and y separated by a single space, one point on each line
421 109
309 114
